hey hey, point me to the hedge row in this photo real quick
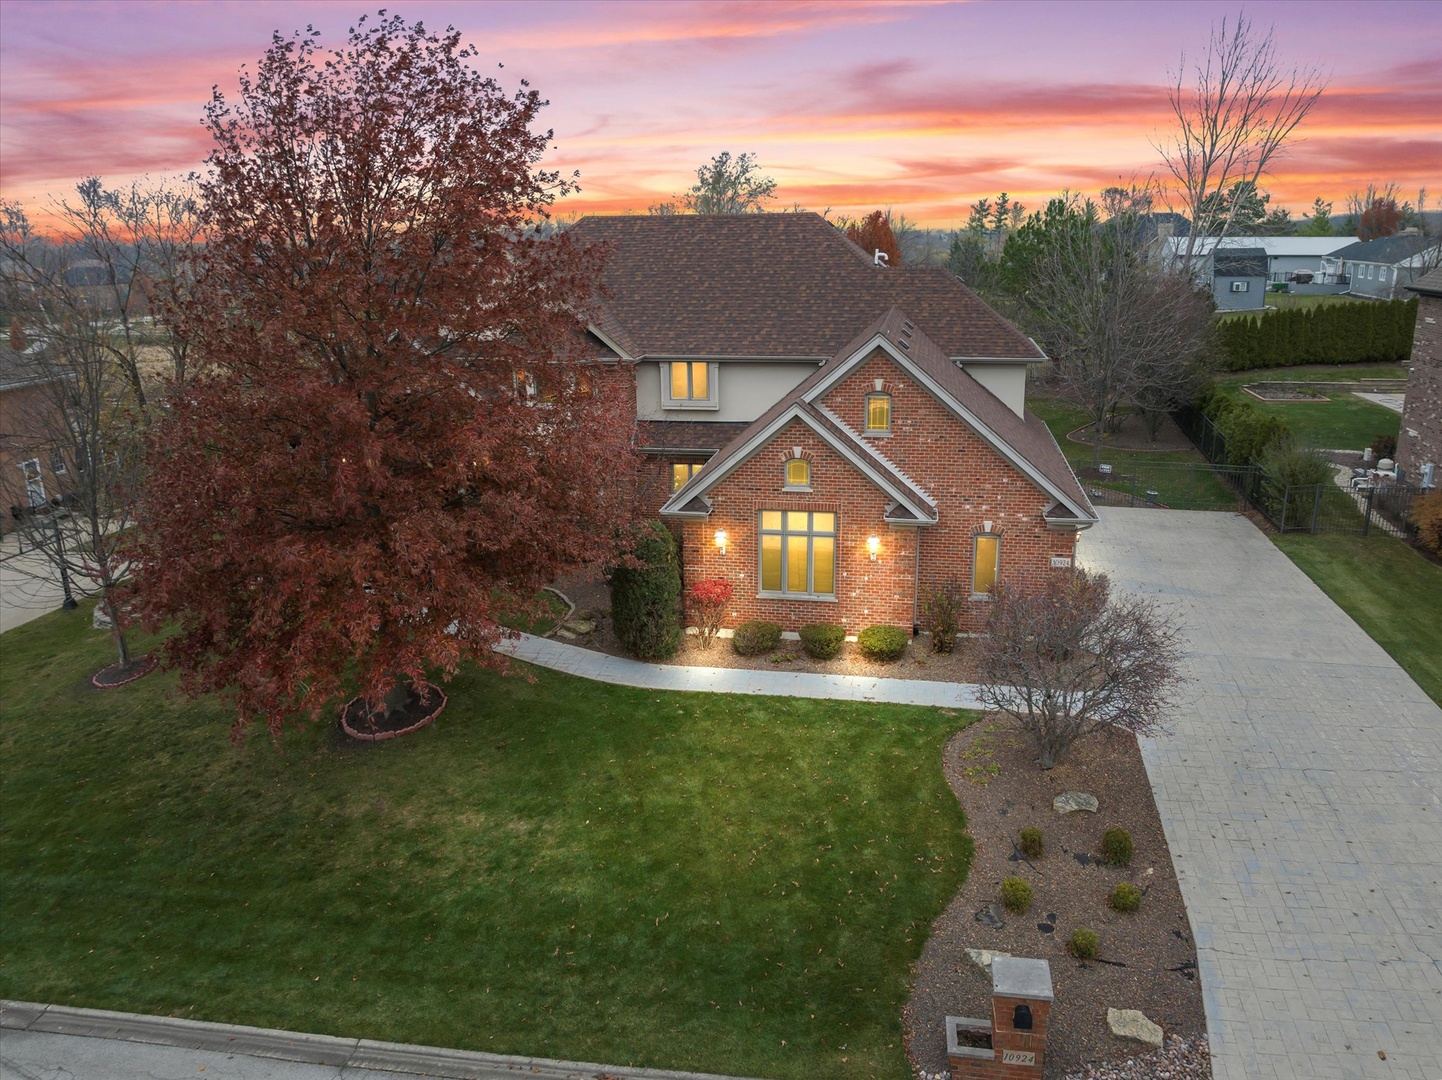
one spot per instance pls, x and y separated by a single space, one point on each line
1356 333
1246 429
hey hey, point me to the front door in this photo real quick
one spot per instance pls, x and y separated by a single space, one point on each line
34 483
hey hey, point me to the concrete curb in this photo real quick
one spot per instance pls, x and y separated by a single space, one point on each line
312 1049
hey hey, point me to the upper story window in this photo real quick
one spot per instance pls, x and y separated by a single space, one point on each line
683 471
878 414
798 473
689 385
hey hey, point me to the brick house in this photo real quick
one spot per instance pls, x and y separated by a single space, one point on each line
32 467
835 437
1419 444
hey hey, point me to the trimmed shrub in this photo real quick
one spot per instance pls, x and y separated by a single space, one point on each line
1125 897
1427 516
885 643
1117 847
1350 333
1016 894
646 599
943 610
1083 943
1384 446
756 637
823 640
708 600
1031 845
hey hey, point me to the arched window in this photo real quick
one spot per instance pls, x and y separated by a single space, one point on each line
798 473
878 413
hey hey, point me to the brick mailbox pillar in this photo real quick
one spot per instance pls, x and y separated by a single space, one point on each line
1013 1045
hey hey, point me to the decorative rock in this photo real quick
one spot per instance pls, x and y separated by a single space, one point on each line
1133 1024
990 916
982 958
580 626
101 620
565 634
1068 801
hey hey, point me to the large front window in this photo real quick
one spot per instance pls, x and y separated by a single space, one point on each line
798 553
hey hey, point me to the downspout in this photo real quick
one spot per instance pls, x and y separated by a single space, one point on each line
916 589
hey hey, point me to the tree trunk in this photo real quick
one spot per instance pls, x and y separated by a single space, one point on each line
1101 423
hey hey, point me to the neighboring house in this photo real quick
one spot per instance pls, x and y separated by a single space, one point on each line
1419 444
32 471
1239 278
1295 264
835 438
1382 269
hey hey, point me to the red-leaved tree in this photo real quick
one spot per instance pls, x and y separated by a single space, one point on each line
872 234
707 601
1381 217
393 434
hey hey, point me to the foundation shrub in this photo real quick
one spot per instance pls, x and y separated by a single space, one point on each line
1427 516
943 610
755 637
884 643
823 641
1016 894
646 598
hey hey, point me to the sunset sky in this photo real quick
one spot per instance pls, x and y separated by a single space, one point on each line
923 107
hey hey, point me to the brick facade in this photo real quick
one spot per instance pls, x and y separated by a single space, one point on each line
971 483
1423 409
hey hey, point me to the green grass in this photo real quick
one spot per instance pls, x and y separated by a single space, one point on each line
556 867
1282 301
1341 422
1315 372
1388 589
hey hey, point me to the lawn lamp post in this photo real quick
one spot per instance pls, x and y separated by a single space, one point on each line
68 604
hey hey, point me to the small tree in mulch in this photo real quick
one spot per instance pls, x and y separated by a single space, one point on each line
1069 660
707 602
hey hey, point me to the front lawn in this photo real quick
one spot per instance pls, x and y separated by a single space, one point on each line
556 867
1389 590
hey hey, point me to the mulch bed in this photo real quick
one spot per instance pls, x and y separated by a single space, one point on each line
115 676
1147 959
360 722
592 598
1132 435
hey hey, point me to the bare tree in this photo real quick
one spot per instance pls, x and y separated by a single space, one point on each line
1069 660
1234 115
1120 329
728 186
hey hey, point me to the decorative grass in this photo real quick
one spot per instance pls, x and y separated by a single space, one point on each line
1390 590
556 868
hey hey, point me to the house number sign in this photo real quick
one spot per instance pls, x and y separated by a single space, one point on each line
1058 561
1018 1057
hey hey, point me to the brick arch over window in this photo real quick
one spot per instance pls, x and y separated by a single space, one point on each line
985 558
796 468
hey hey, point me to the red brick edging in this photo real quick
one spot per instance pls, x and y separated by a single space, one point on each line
383 735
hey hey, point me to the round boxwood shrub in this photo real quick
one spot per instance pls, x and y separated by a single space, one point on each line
884 643
1117 847
646 599
1031 845
755 637
1125 897
1016 894
823 640
1083 943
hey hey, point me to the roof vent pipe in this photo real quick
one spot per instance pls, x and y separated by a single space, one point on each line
881 258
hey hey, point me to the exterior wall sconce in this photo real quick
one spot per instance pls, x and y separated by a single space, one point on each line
721 540
873 545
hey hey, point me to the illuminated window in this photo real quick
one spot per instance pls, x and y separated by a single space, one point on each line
987 565
690 385
798 553
798 473
682 472
878 412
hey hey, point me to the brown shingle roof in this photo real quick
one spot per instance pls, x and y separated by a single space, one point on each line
772 285
687 436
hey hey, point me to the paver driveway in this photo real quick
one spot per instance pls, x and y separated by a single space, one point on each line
1301 792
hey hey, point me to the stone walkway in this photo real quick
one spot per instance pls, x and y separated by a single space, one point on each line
589 664
1301 793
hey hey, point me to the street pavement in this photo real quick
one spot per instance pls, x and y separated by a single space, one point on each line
1301 793
29 587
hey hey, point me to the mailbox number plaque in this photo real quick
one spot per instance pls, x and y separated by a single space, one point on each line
1018 1057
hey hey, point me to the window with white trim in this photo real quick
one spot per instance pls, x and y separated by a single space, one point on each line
878 414
798 474
689 384
986 564
798 554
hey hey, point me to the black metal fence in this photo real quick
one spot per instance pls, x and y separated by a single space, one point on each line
1366 505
